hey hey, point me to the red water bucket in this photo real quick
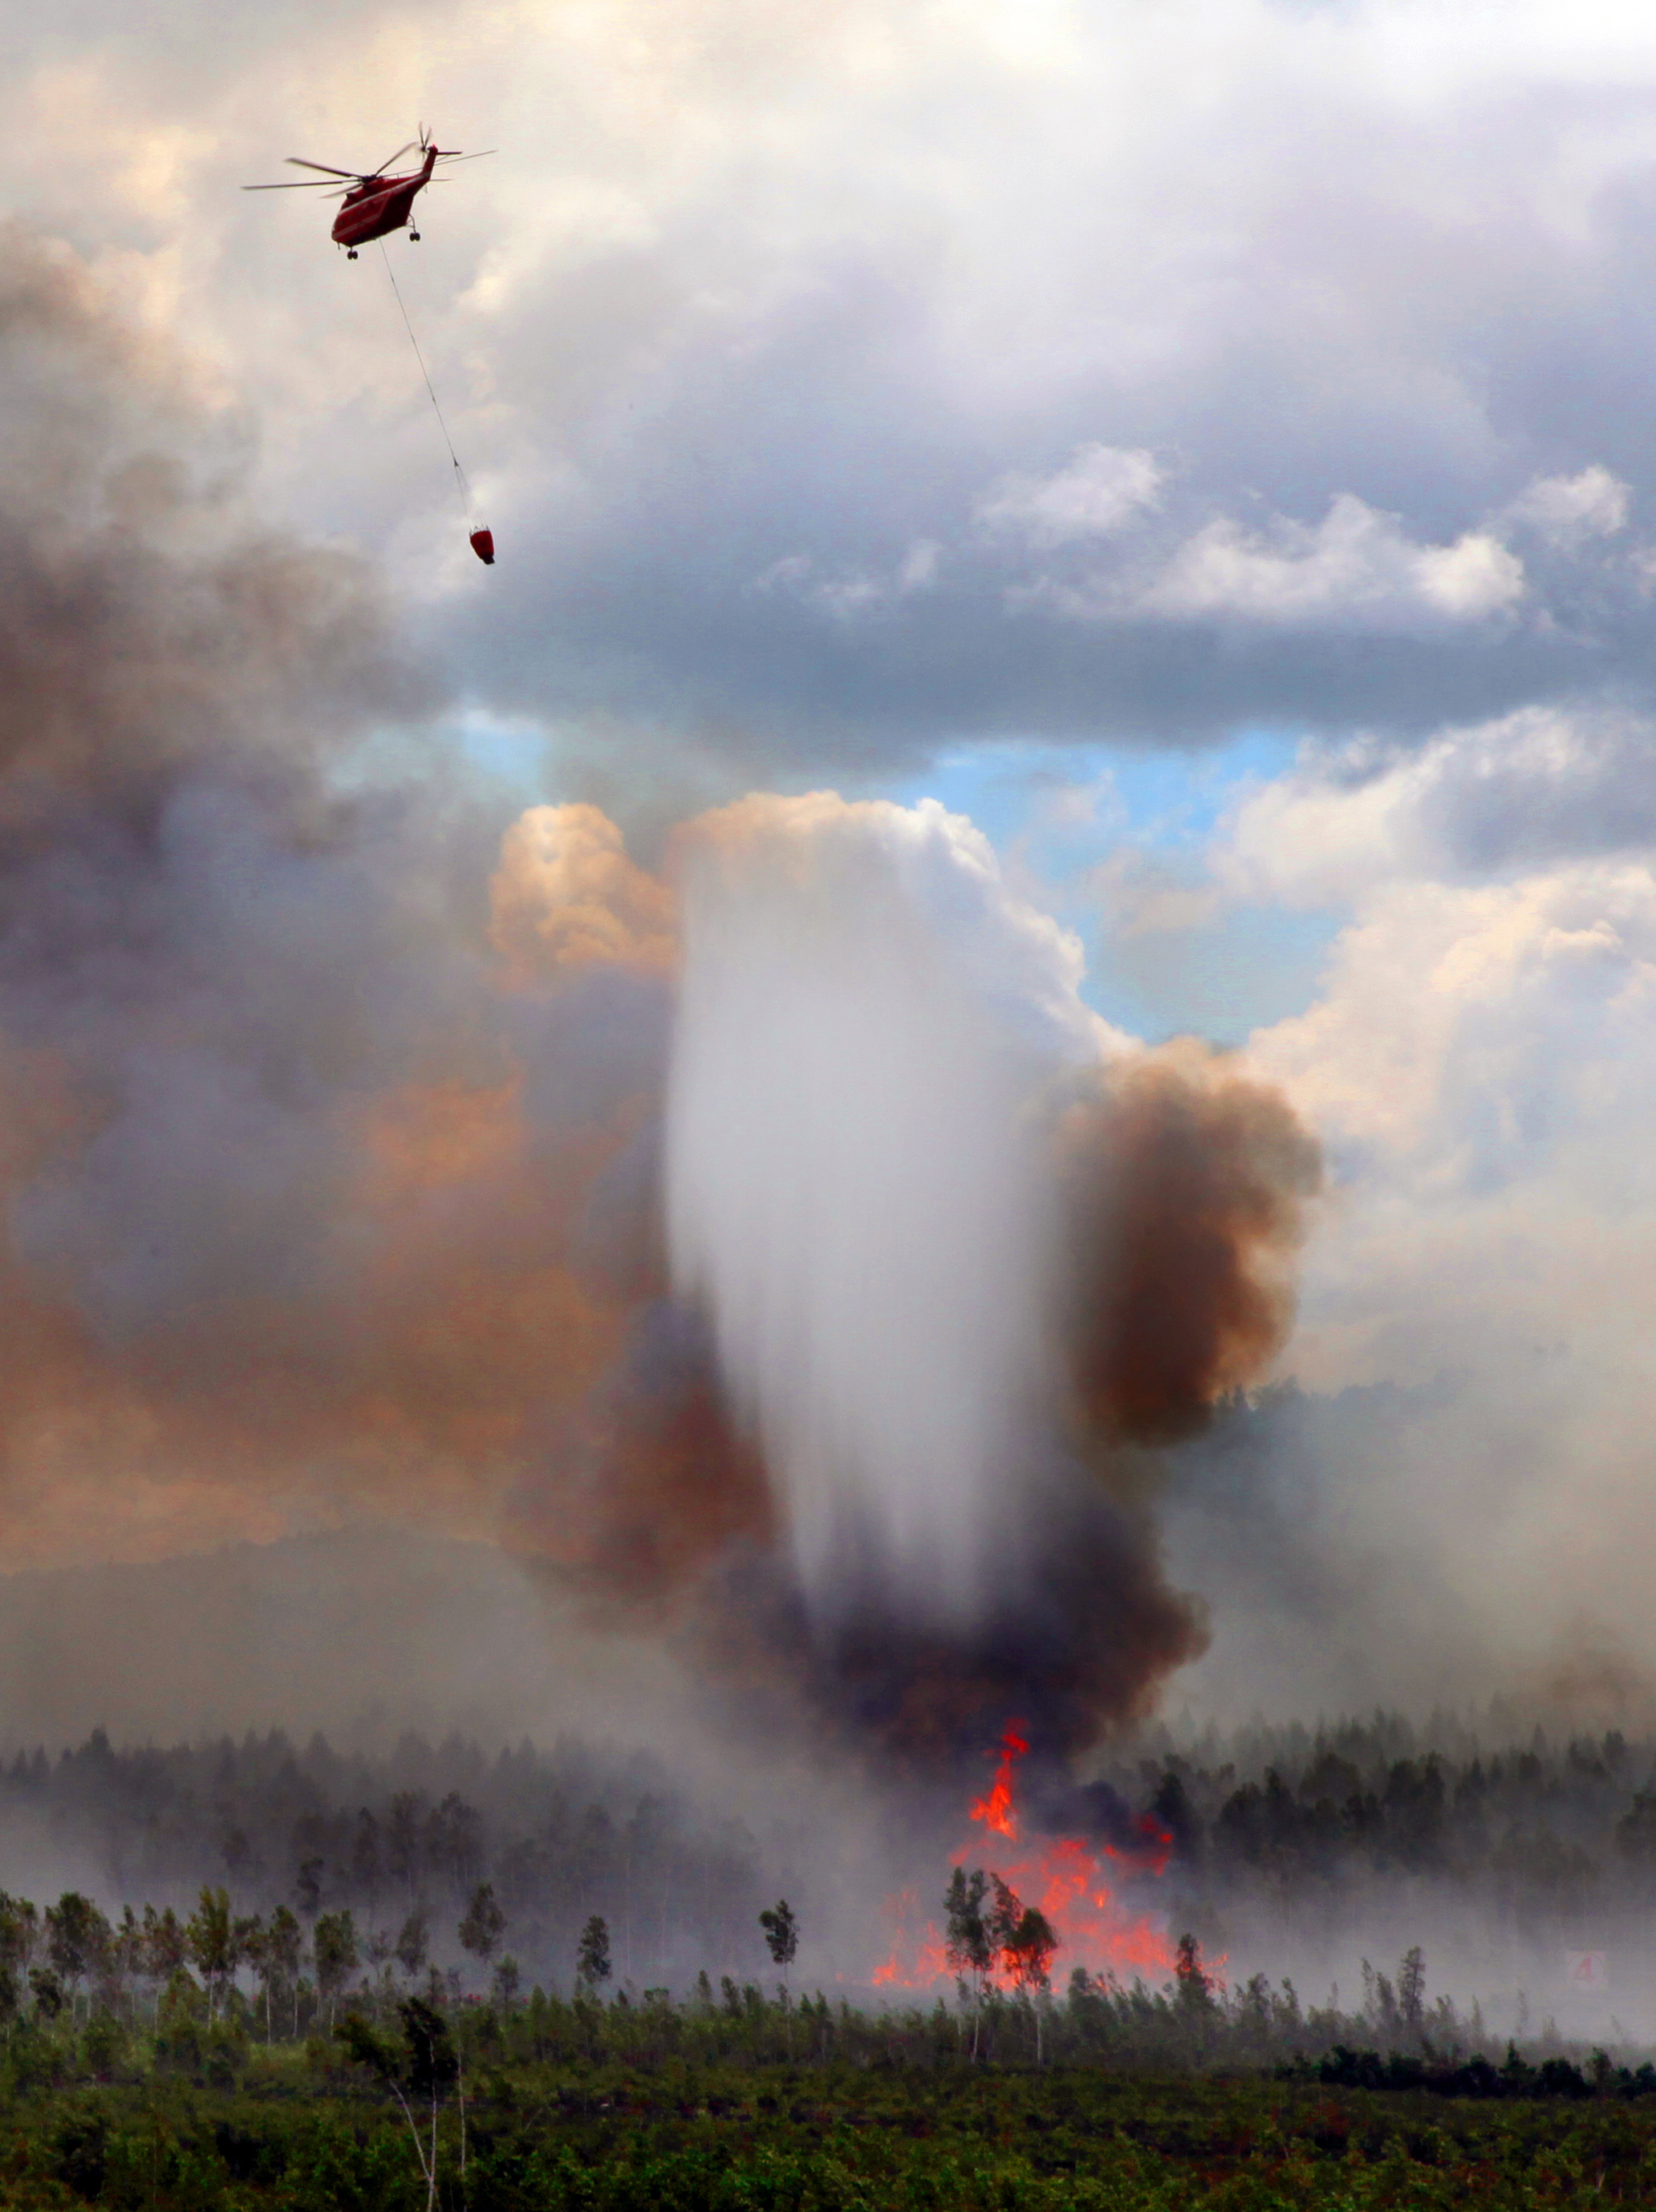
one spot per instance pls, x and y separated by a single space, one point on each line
483 544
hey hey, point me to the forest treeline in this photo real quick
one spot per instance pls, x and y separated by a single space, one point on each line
1541 1831
1378 1793
208 1995
557 1835
1539 1826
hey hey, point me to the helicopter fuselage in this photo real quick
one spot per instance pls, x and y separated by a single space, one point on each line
380 206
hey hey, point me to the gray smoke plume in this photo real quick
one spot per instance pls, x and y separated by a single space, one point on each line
294 1176
774 1246
960 1250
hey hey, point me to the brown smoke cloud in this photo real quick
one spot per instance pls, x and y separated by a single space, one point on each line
329 1119
566 894
1184 1184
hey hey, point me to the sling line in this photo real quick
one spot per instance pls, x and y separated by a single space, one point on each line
464 487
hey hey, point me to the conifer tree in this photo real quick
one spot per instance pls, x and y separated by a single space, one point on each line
484 1924
592 1958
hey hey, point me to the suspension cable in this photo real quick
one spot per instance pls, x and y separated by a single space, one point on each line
461 485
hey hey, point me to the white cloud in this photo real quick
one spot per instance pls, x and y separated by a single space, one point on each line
1470 1034
1358 570
853 594
1480 1059
1103 489
1567 511
791 573
1522 792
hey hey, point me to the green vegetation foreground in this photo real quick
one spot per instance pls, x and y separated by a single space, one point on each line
313 2128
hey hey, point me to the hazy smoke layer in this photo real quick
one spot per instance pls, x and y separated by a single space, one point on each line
331 1137
305 1190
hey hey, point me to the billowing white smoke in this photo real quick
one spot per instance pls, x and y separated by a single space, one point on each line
851 1191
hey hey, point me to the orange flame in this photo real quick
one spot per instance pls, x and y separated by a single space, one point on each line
996 1811
1063 1876
915 1962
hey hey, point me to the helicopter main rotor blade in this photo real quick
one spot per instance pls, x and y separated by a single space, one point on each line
310 185
483 156
351 176
397 156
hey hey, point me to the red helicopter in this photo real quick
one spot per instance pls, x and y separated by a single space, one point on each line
374 204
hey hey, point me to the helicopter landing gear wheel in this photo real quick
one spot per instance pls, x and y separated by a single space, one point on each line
413 237
350 253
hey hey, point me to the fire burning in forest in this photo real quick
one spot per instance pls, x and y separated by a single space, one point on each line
1063 1879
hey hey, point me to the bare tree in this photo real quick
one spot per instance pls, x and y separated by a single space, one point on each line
421 2073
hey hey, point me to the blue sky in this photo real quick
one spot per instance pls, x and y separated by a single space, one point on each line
1056 814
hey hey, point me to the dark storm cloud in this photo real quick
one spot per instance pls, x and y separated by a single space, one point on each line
778 539
1541 787
744 329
